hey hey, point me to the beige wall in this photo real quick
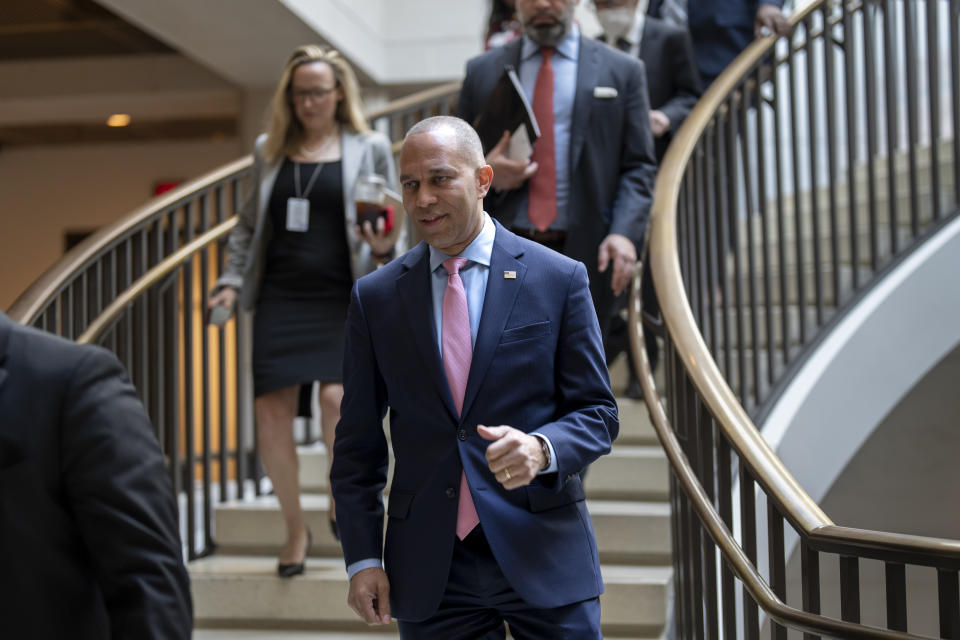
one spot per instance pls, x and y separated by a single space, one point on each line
45 191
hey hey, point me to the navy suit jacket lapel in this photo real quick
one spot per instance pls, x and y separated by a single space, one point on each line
498 302
414 291
588 67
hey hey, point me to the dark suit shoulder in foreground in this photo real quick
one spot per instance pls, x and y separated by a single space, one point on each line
90 544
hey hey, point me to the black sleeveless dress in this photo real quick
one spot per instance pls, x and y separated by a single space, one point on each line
300 318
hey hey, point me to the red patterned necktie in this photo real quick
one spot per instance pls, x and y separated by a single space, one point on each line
542 207
457 354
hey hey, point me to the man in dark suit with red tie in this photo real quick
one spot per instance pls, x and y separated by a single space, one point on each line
486 350
586 191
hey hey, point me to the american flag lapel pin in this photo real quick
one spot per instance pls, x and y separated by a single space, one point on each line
509 275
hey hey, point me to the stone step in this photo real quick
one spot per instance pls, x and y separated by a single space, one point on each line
626 531
645 466
244 591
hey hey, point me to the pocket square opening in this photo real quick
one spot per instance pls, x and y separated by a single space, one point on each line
604 92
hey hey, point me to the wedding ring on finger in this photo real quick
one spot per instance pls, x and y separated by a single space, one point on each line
507 472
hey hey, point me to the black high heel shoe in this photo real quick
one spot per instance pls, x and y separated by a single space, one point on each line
296 568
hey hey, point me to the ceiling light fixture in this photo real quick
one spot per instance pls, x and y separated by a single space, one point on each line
118 120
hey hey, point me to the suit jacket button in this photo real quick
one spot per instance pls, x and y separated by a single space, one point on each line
462 434
451 492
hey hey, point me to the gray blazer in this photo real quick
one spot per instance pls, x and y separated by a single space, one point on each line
247 244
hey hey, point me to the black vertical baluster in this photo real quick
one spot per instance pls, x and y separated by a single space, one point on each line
128 278
751 210
797 198
707 447
850 83
870 66
714 248
83 313
171 380
725 508
49 317
98 288
891 62
185 279
933 82
896 587
676 537
775 556
810 579
814 157
850 588
684 436
112 293
676 494
829 57
696 288
955 85
748 529
781 218
948 592
184 282
698 202
142 329
733 213
765 239
205 396
723 239
913 125
242 456
68 313
694 454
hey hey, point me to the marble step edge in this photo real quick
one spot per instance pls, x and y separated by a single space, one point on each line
235 588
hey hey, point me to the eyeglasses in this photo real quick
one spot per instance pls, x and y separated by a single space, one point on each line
316 94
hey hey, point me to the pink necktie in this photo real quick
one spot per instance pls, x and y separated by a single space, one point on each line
457 354
542 207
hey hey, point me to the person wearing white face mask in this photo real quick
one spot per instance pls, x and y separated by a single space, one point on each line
673 84
673 81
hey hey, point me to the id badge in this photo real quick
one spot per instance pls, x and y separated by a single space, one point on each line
298 214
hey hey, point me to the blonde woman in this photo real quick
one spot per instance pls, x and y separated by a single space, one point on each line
293 257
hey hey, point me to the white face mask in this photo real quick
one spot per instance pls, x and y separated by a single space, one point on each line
616 22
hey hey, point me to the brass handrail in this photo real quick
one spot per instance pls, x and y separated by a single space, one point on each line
102 322
714 524
413 100
30 302
731 417
689 343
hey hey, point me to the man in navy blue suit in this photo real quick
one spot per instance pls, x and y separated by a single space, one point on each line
487 522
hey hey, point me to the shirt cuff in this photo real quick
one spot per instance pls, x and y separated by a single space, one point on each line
552 467
360 565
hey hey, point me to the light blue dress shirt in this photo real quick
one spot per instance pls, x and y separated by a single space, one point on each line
564 63
474 275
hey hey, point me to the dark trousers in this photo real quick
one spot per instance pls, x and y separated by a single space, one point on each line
616 340
479 600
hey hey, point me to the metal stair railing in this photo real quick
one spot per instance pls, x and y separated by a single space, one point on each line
809 169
